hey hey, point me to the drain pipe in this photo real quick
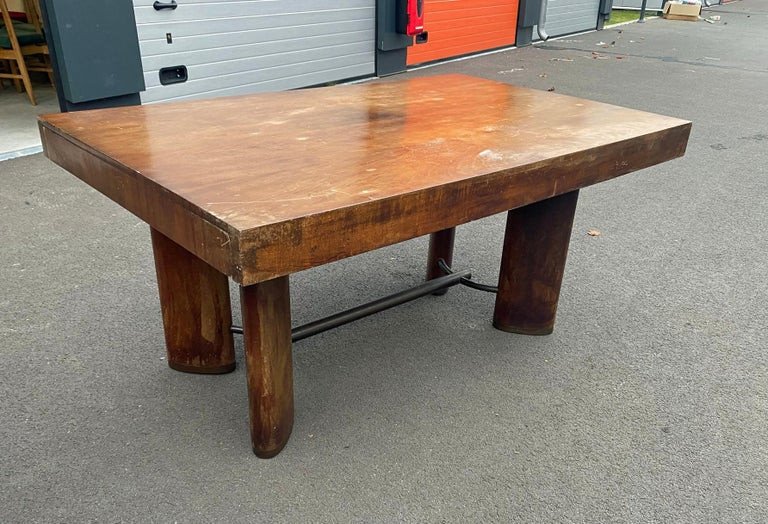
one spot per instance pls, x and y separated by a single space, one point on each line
540 27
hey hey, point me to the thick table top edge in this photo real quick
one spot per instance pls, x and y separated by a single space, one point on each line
287 245
209 238
254 255
305 240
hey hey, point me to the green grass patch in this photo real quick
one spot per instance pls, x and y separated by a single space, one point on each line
619 16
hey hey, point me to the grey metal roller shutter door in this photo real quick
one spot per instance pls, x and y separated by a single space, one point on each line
571 16
233 47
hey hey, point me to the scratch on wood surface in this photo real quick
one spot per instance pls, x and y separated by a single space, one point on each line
279 200
489 154
302 111
247 202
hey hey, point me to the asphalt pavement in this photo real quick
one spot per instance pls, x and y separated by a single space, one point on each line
649 403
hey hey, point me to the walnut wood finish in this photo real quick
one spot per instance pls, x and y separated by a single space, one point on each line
266 185
267 330
440 246
197 315
532 265
259 187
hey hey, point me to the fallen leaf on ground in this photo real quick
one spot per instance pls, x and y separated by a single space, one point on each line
594 232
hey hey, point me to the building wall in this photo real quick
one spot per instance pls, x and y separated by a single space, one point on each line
248 46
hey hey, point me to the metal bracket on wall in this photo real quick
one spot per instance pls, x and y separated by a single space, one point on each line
390 45
387 36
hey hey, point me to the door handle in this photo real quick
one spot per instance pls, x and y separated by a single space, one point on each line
160 5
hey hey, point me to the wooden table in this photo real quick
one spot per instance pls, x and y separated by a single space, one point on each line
255 188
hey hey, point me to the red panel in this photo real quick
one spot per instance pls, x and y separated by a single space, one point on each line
458 27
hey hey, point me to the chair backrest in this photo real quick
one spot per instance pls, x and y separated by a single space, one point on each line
6 16
8 23
34 14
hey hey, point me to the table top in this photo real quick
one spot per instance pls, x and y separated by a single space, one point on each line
264 185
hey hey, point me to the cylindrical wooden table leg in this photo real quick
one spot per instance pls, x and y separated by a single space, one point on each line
440 246
267 339
532 265
197 316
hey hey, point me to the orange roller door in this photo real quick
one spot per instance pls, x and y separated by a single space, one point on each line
458 27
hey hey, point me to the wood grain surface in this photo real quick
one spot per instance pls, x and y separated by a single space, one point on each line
532 265
197 314
269 363
266 185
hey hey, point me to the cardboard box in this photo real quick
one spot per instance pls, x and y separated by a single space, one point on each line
682 11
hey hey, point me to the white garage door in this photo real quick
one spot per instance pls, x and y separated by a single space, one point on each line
571 16
244 46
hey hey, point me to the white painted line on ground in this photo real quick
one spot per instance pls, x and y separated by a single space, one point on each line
32 150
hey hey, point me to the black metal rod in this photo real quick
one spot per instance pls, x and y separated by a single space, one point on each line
641 20
364 310
445 268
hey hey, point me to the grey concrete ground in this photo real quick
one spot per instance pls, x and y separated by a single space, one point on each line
18 119
648 404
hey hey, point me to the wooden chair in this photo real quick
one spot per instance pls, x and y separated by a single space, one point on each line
34 16
5 67
15 39
39 54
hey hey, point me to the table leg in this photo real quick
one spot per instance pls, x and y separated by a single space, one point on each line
267 339
532 264
197 316
440 246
